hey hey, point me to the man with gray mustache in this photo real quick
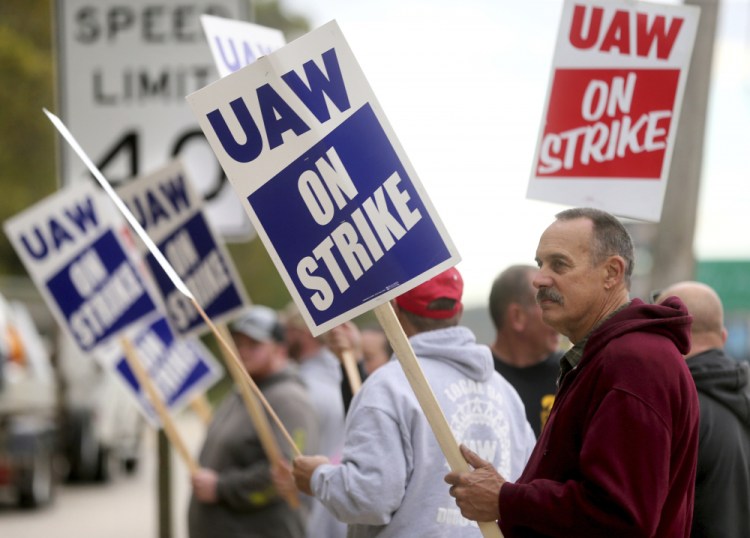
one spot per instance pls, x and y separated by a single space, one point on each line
618 454
548 294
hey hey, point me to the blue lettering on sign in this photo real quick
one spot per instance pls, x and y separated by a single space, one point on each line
353 223
100 292
167 200
196 258
199 369
50 237
236 61
173 365
277 115
313 95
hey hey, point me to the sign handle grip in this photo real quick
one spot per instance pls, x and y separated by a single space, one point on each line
350 366
161 409
427 400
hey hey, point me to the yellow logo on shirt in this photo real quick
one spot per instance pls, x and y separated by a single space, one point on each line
547 401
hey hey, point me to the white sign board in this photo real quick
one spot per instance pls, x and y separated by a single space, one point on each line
327 185
235 44
124 70
613 103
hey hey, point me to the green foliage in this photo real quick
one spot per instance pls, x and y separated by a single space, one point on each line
27 152
269 13
262 281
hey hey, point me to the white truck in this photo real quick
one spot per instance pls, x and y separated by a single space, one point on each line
28 409
61 414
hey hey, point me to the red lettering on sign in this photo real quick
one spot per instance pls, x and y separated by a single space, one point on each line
608 123
661 33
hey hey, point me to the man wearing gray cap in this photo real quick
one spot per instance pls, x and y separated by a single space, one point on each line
233 493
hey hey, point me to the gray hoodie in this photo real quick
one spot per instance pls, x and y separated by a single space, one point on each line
390 480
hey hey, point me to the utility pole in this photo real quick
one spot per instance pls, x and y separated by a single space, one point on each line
672 249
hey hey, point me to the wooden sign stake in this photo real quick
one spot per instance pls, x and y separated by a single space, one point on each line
161 409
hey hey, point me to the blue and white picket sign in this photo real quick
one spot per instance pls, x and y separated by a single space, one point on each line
71 245
168 208
180 368
235 44
326 184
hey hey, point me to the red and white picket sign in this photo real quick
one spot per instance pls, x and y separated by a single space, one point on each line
613 103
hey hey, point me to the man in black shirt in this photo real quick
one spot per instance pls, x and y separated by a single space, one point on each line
525 349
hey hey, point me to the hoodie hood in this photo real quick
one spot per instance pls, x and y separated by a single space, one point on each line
458 347
669 318
724 380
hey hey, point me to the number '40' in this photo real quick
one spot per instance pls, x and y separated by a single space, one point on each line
128 147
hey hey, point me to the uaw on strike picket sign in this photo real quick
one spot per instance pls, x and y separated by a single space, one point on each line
71 246
325 182
171 212
610 122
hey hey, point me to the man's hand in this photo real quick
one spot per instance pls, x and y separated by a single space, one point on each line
344 338
283 481
303 469
476 492
204 483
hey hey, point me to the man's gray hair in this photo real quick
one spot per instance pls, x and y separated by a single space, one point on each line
610 236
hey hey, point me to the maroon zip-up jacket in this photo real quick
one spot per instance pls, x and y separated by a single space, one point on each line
618 454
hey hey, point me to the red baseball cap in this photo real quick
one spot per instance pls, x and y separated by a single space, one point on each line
446 285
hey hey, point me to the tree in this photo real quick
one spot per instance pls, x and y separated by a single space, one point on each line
27 154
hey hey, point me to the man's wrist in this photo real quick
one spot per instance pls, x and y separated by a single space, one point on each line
499 495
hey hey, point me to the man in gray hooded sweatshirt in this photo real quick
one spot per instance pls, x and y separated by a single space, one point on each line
389 482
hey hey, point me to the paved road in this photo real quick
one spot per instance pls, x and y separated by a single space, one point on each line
127 507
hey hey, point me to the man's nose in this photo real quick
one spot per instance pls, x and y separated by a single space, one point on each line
540 280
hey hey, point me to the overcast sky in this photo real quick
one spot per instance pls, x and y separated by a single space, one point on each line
463 85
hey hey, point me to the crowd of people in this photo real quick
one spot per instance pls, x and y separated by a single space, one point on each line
639 425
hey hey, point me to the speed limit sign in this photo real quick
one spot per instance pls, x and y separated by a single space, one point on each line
124 69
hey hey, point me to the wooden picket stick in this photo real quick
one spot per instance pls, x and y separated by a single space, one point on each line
349 361
350 367
258 417
156 400
427 400
202 407
235 360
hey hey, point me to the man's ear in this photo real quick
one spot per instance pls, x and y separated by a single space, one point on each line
614 272
516 316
